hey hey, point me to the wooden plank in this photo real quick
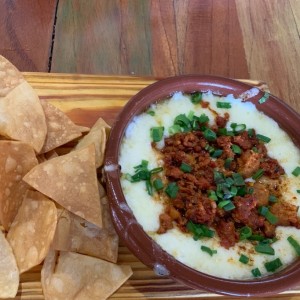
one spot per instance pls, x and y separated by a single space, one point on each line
157 37
271 37
26 32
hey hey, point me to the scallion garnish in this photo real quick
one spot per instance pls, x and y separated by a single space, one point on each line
229 206
196 97
244 259
209 134
212 195
185 168
250 190
183 121
174 129
150 112
203 118
272 198
296 171
273 265
157 133
158 184
264 211
225 105
256 237
238 179
264 98
199 230
258 174
236 149
295 244
250 132
228 162
263 138
224 131
172 190
149 187
223 203
256 272
211 252
264 248
217 153
245 233
254 149
238 128
156 170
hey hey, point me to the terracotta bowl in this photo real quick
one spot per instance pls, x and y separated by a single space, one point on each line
139 243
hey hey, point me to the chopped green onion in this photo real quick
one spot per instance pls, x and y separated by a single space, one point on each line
238 128
182 120
250 190
256 237
149 187
244 259
238 179
223 105
211 252
218 177
223 203
191 115
217 153
258 174
196 97
156 170
157 133
209 134
172 190
242 191
236 149
272 198
254 149
212 195
228 207
256 272
203 118
264 211
250 132
185 168
233 191
295 244
158 184
245 233
273 265
298 191
150 112
209 148
199 230
264 248
263 138
228 162
224 131
174 129
296 172
264 98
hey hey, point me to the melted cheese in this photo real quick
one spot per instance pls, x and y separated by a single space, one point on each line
136 146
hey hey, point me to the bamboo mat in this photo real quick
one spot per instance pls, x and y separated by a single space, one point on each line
85 98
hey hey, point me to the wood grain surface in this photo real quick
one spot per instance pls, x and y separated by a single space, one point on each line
85 98
26 32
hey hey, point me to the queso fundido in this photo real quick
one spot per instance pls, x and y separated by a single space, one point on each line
214 182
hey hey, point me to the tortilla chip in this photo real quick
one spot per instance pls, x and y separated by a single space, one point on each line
22 117
78 235
16 159
10 76
83 128
97 136
67 275
9 274
61 129
71 181
32 231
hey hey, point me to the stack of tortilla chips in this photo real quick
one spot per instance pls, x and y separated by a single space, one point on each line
52 208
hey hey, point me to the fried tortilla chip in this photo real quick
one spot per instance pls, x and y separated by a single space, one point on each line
78 235
10 76
16 159
67 275
32 231
22 117
83 128
97 136
60 129
71 181
9 273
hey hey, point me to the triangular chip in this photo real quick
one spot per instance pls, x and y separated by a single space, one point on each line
78 235
71 181
10 77
16 159
67 275
9 274
22 117
83 128
32 231
97 136
60 129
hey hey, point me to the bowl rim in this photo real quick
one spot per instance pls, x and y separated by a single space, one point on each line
132 234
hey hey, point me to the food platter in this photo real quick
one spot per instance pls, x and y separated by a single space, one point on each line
85 99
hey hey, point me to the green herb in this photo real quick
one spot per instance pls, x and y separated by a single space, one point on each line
225 105
228 162
273 265
264 211
296 171
199 230
264 98
191 115
203 118
256 272
238 128
228 207
174 129
264 248
209 134
250 132
236 149
183 121
272 198
258 174
157 133
217 153
149 187
256 237
196 97
219 177
156 170
245 233
254 149
295 244
250 190
209 148
223 203
158 184
233 191
242 191
150 112
212 195
224 131
185 168
263 138
211 252
244 259
238 179
172 190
